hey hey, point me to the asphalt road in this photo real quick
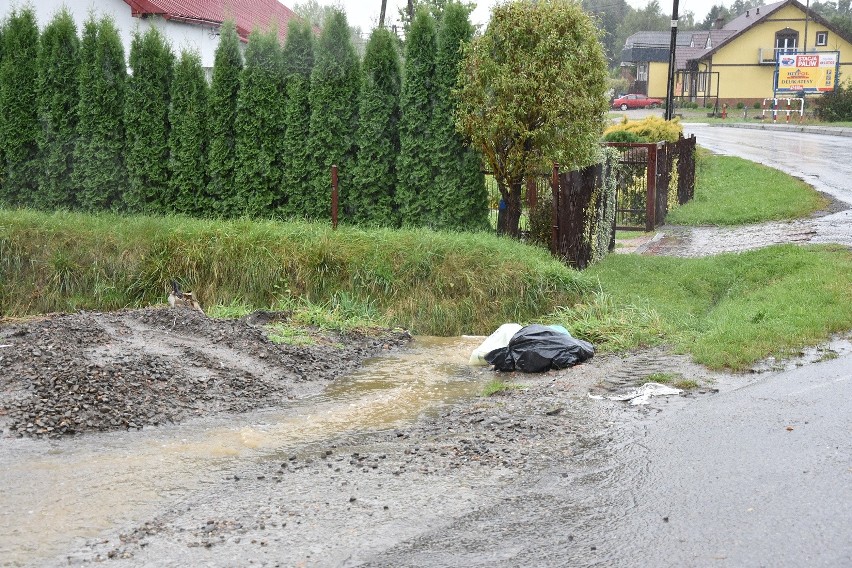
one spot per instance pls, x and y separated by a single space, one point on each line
759 476
821 160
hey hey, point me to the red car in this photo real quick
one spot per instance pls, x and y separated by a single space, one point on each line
625 102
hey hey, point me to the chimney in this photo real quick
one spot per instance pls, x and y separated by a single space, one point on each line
719 23
757 10
747 13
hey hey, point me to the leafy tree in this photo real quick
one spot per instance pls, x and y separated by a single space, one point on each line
838 14
258 123
59 92
146 120
316 14
296 165
716 11
372 196
608 14
533 92
650 18
462 195
224 92
19 116
434 7
335 84
99 171
188 138
417 195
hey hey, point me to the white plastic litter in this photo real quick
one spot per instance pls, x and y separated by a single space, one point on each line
500 338
642 395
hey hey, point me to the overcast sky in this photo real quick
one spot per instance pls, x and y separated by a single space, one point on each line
365 13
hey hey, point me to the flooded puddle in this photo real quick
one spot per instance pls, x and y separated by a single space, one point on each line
54 492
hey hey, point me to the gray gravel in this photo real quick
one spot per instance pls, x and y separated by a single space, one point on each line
70 374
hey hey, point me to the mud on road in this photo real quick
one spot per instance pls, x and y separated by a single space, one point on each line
506 479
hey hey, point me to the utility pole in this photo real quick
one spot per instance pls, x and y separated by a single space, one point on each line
807 17
670 86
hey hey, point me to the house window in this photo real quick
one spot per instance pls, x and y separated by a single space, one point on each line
821 38
642 72
786 41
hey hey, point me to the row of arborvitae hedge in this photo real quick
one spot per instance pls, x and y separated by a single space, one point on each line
438 283
78 131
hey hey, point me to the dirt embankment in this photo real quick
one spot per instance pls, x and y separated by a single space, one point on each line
70 374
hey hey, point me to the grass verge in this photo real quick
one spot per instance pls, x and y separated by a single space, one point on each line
733 191
427 282
728 311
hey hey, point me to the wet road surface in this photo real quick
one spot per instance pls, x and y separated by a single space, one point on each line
817 159
820 160
760 476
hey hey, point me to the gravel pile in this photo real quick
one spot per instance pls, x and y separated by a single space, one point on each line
87 372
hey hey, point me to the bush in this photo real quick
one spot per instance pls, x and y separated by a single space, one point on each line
756 105
836 106
649 129
740 105
622 136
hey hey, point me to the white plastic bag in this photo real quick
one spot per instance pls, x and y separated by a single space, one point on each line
500 338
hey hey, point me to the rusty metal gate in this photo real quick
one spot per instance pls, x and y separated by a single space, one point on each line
642 195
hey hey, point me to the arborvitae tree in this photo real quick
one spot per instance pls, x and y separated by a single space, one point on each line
335 83
416 193
99 172
2 154
371 198
224 89
188 139
59 92
296 164
462 195
18 108
257 126
146 120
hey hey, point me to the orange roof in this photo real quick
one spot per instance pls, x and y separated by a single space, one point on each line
248 14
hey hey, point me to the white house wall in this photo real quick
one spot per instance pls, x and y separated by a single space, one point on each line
203 39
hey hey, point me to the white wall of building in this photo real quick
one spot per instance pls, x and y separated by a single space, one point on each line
180 35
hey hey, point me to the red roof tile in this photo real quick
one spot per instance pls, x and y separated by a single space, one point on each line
248 14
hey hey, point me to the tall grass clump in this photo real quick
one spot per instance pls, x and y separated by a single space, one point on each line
430 283
733 191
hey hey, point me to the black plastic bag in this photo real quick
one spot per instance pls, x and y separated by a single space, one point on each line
538 348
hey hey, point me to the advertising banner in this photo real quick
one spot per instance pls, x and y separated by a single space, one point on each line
808 72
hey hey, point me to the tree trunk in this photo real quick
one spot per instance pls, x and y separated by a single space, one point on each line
513 209
509 222
382 13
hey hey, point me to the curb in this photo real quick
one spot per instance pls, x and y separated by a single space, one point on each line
825 130
641 249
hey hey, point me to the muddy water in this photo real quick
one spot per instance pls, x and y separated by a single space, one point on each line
55 493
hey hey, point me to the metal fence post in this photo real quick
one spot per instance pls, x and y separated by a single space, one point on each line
334 197
554 234
651 194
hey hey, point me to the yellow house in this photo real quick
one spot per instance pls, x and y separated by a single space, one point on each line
751 58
